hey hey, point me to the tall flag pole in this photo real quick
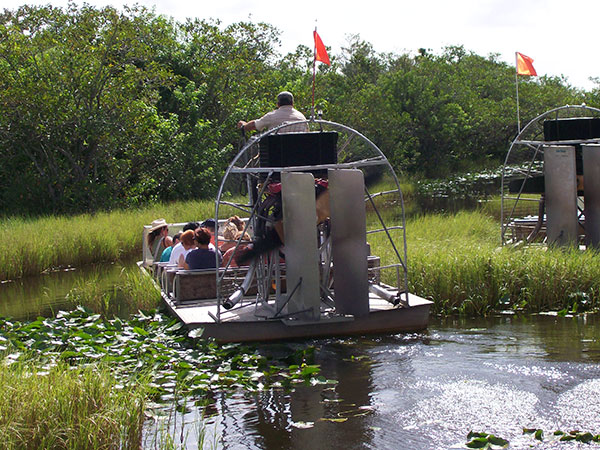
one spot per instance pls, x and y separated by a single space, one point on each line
312 109
523 66
320 54
517 87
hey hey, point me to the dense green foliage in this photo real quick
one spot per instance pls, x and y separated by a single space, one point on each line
101 108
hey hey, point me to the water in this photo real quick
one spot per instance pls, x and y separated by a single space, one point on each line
426 391
416 391
44 295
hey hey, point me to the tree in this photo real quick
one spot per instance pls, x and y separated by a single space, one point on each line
102 108
74 86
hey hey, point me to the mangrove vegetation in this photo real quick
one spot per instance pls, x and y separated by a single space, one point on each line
103 108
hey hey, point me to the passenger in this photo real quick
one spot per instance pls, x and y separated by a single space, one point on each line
229 232
284 113
167 253
177 238
188 243
159 229
178 248
202 257
168 243
233 253
211 225
239 223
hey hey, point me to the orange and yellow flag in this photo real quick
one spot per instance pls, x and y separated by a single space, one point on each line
525 65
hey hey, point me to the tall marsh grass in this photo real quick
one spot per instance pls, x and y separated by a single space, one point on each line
132 293
31 246
66 408
456 260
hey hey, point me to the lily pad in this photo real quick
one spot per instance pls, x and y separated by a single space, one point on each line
303 425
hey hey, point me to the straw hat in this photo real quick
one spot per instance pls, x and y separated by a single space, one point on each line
156 224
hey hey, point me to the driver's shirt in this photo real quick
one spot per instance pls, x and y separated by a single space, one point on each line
283 114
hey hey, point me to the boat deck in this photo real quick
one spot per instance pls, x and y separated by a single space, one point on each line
249 322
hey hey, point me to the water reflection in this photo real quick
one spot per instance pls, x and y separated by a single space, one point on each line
44 295
427 391
308 416
441 204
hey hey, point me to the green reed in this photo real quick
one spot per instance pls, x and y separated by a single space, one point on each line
34 245
31 246
454 259
457 261
133 292
61 407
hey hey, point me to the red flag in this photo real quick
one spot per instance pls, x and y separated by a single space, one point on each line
525 65
320 51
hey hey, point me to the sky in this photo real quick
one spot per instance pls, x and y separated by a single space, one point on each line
557 34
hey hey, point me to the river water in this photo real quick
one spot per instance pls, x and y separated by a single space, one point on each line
44 295
425 391
413 391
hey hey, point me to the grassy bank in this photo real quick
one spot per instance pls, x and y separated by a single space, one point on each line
32 246
456 260
131 294
66 408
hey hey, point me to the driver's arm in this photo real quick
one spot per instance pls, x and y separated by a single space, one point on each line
247 126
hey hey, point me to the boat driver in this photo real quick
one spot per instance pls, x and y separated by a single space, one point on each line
284 113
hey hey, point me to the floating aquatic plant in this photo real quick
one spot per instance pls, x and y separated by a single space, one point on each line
478 184
485 441
489 441
151 345
575 435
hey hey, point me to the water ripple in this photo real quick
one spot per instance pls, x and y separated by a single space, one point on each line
464 405
549 373
579 408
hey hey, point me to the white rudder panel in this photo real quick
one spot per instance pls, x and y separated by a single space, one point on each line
349 241
560 183
591 192
301 249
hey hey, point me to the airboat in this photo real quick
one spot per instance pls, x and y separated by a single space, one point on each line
551 180
342 269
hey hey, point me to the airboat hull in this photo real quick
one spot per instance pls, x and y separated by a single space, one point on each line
242 325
